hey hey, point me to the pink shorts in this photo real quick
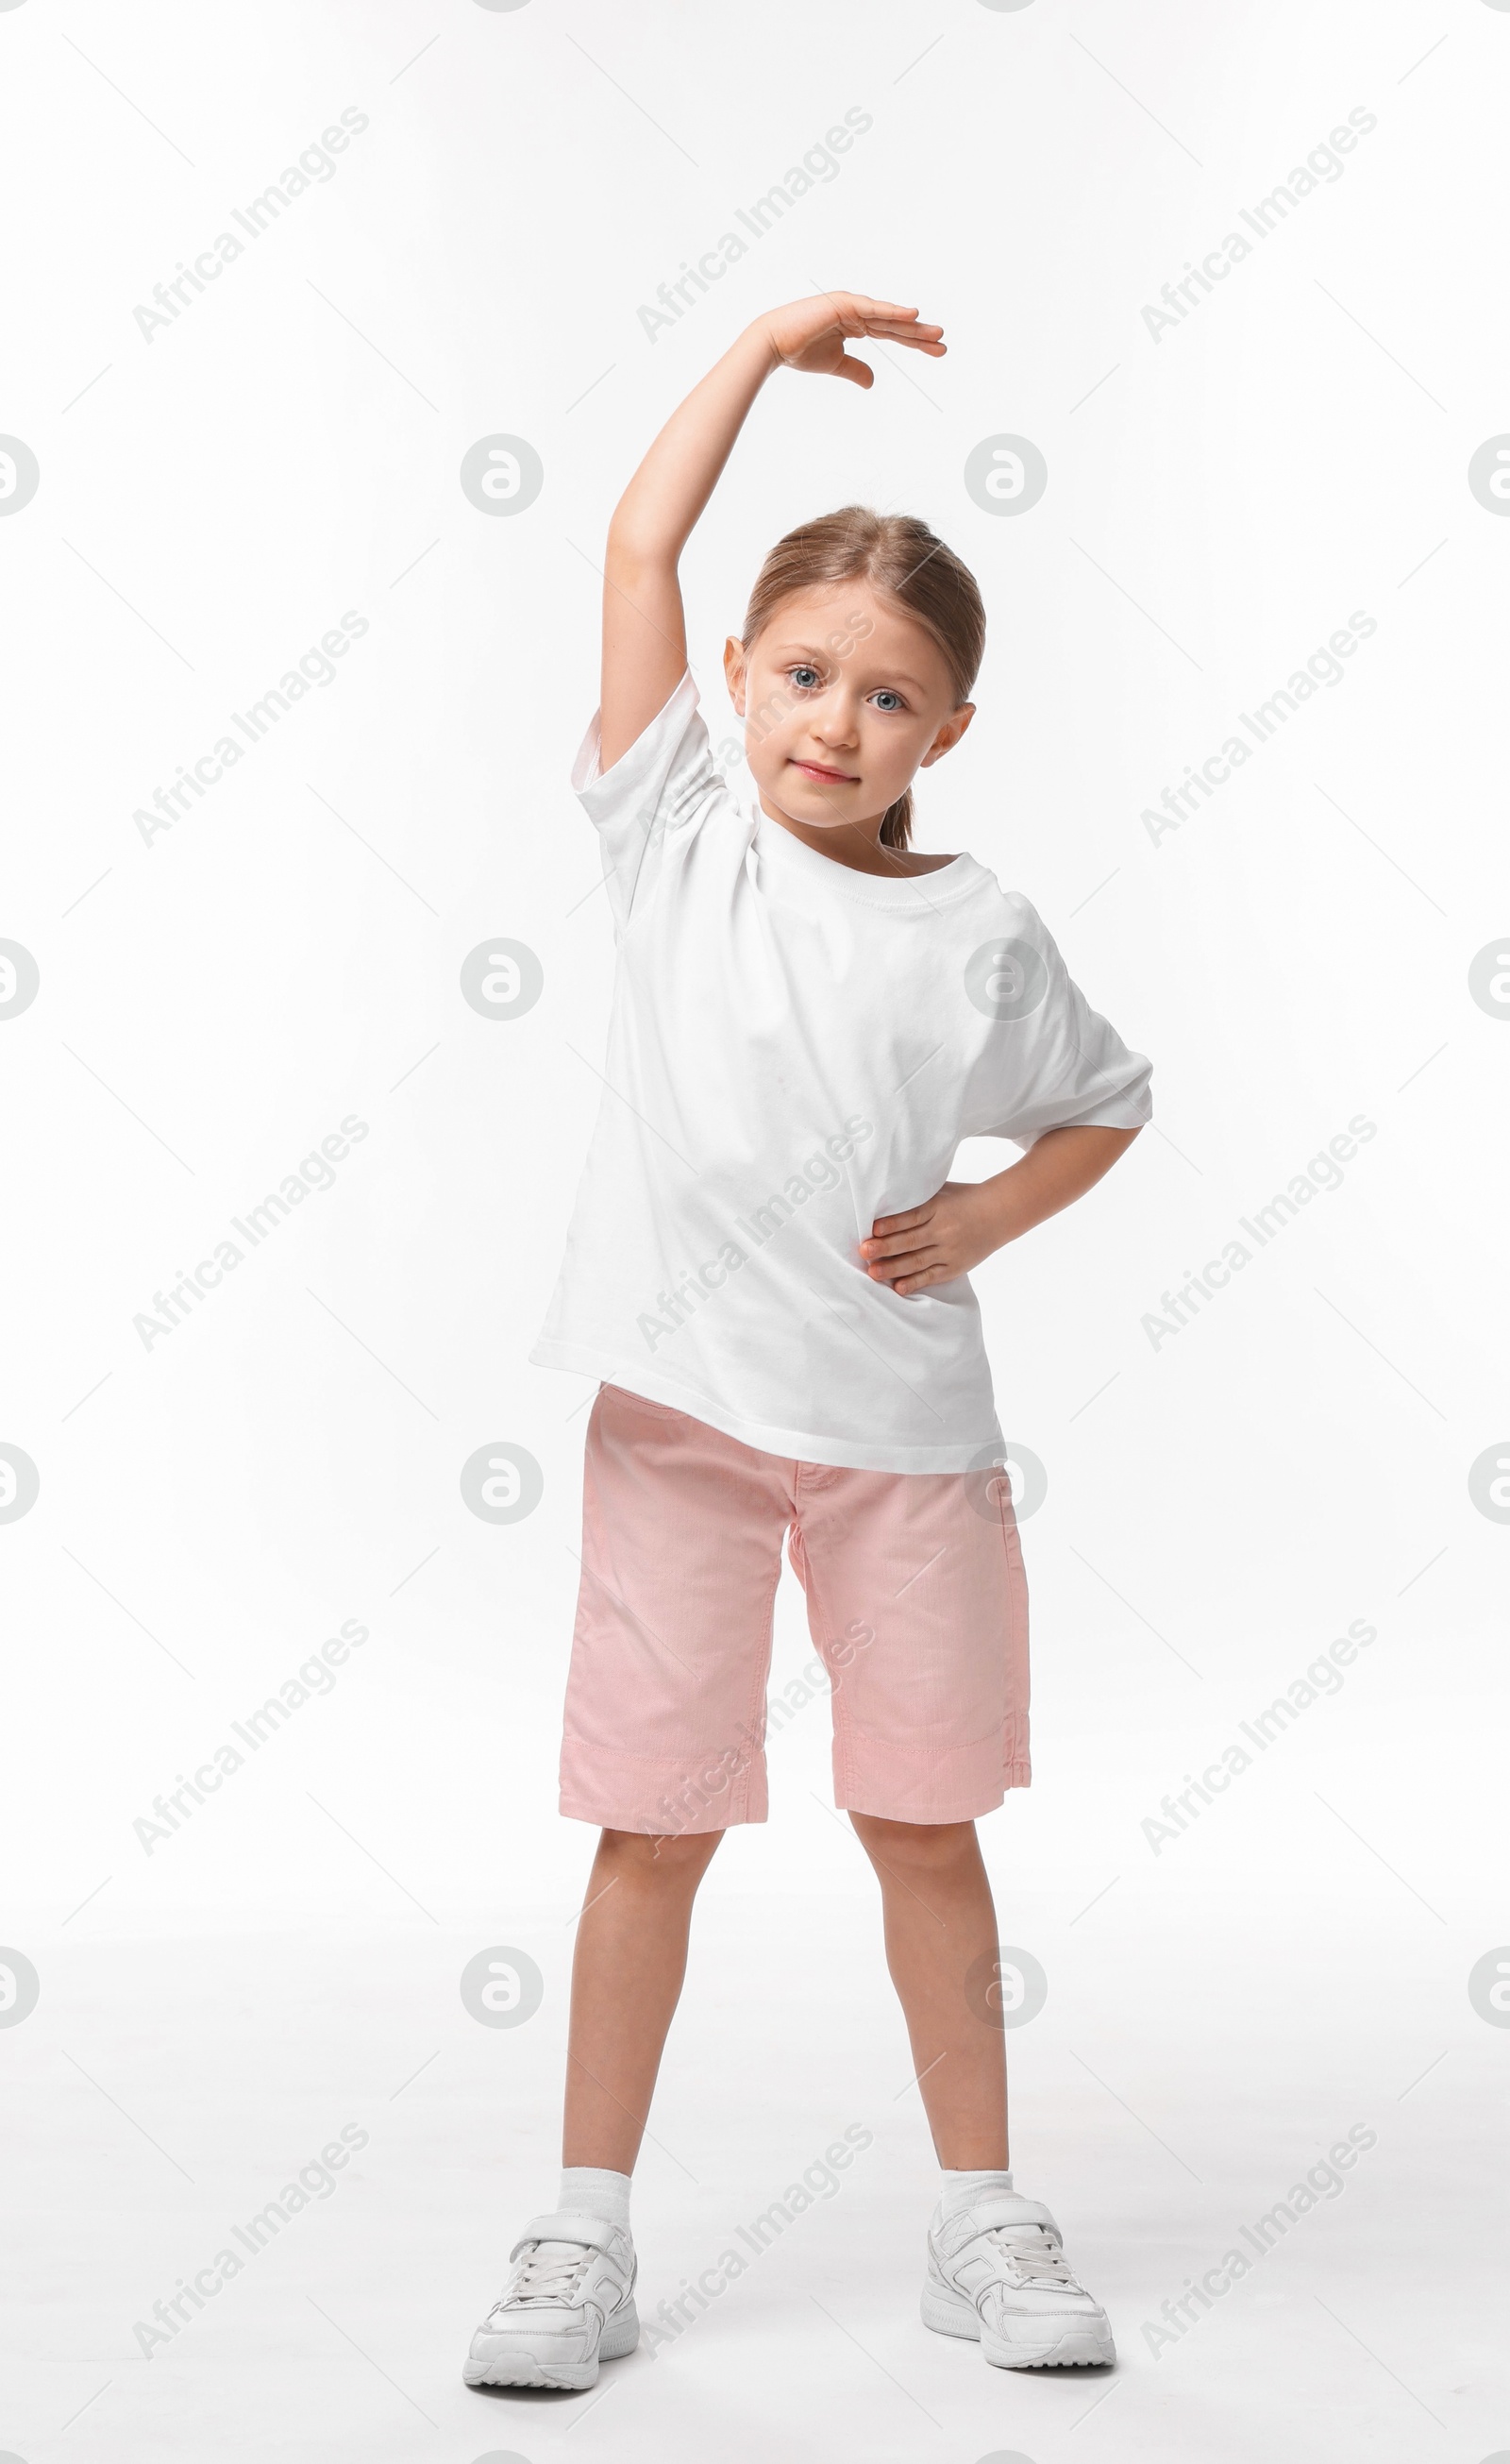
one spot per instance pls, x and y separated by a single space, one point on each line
916 1602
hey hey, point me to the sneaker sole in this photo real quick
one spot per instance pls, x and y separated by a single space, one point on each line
1077 2347
523 2369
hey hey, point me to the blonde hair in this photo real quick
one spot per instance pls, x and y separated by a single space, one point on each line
900 556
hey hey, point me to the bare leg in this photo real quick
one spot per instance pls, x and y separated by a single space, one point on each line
626 1978
940 1919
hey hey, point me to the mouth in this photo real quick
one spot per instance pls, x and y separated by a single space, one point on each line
830 777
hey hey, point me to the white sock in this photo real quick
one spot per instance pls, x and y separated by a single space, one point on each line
958 2189
593 2191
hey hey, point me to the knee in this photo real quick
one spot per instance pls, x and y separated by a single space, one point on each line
916 1847
679 1859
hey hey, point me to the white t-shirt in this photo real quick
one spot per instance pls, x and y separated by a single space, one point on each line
795 1048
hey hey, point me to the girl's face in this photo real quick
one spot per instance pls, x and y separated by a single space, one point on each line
844 698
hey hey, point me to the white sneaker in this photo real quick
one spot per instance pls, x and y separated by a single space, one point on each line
997 2271
568 2305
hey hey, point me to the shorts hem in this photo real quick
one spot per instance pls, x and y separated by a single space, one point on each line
581 1811
649 1795
967 1807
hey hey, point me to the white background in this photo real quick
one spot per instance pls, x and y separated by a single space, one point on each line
214 1002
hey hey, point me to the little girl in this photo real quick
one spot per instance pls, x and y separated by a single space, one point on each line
768 1273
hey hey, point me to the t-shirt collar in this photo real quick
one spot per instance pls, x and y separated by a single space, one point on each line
923 890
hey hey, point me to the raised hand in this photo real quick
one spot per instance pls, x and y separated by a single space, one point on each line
645 636
810 335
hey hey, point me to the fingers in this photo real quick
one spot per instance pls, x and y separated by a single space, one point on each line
911 1261
893 1244
909 338
856 371
920 337
902 1252
887 321
906 1220
904 328
892 309
917 1273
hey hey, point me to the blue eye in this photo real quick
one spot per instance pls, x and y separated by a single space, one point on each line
797 674
893 697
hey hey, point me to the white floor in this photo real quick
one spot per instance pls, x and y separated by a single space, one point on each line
164 2090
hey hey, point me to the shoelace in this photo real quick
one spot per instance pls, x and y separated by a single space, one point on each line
1035 2263
548 2271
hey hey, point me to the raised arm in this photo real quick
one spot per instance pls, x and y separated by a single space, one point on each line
644 634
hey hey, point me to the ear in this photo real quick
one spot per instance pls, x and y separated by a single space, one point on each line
735 670
949 735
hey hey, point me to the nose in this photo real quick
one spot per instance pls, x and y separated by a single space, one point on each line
833 722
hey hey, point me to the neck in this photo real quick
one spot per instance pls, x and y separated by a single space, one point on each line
856 845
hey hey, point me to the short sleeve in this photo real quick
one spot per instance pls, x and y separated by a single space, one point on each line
658 790
1048 1061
